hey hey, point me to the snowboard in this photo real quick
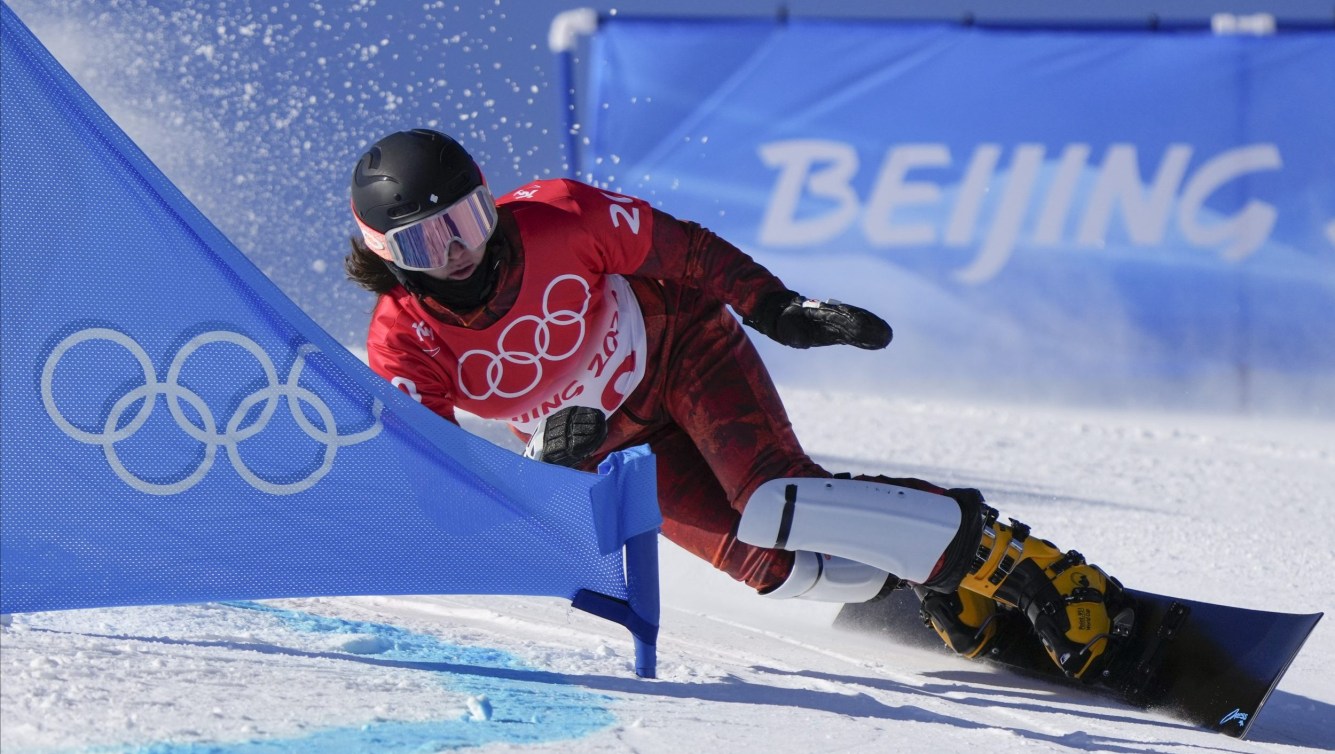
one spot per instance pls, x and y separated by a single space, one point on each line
1211 665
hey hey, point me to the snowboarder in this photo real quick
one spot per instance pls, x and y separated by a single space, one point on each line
591 322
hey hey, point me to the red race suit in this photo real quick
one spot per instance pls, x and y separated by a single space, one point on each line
602 301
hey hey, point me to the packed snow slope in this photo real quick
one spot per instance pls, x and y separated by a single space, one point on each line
1234 510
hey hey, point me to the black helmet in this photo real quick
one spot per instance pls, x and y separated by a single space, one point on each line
408 175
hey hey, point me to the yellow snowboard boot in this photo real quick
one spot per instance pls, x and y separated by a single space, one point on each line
966 621
1075 608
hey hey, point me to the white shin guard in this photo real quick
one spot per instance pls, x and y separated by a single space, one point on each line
893 529
827 578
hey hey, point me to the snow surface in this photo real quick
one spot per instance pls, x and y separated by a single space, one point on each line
1224 509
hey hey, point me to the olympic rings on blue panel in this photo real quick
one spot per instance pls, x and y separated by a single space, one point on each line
230 437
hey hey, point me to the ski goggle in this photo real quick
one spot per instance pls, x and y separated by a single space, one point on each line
425 245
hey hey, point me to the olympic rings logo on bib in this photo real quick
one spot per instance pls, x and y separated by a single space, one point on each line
529 343
205 428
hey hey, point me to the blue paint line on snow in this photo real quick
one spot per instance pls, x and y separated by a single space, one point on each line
527 706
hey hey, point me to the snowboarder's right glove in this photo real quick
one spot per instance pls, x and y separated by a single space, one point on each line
568 436
801 322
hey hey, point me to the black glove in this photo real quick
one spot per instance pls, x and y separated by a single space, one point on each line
801 322
568 436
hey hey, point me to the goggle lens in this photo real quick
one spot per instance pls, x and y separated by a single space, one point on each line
425 245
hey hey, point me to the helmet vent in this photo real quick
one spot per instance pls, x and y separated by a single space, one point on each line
402 210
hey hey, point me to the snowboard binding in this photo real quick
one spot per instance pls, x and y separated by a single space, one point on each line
974 627
1080 614
970 624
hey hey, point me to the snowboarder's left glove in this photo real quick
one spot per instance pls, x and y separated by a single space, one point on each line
568 436
801 322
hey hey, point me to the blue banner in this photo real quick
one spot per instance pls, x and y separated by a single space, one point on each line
177 430
1105 209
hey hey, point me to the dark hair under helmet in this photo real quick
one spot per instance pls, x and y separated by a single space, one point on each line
409 175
